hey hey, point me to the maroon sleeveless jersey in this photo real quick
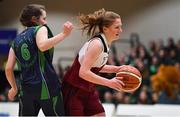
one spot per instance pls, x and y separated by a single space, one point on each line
72 77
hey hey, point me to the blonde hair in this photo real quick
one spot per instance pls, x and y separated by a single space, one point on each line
94 23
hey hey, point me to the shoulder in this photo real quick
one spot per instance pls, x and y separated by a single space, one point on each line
95 41
40 29
95 44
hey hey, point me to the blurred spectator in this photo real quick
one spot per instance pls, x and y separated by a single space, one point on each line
178 51
177 65
153 48
160 43
123 59
173 56
108 97
144 97
154 65
119 97
171 44
164 57
114 55
131 57
134 40
155 97
144 71
165 99
3 98
126 99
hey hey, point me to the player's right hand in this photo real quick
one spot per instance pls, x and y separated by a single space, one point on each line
11 94
67 28
116 83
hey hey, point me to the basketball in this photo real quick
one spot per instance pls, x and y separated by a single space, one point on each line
132 78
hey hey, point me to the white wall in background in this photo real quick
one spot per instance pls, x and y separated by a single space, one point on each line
157 22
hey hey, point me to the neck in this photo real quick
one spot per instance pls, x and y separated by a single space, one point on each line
109 40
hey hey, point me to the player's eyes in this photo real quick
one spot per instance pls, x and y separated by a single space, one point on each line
117 27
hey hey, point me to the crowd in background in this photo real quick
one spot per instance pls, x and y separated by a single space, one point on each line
148 60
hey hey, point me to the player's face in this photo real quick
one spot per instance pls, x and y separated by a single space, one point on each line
113 32
42 19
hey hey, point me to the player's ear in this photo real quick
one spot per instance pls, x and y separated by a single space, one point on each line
104 29
34 19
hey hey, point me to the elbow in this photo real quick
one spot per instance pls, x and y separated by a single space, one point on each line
8 70
42 47
82 73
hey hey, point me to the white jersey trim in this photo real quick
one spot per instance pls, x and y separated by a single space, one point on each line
103 57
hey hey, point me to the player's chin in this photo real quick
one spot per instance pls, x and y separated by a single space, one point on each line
116 37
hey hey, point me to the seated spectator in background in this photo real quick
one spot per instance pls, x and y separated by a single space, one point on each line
155 97
119 97
143 97
153 48
126 99
108 97
177 65
164 57
134 40
178 50
3 98
131 57
154 65
171 44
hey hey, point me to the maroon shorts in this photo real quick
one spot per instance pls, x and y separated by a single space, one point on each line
81 103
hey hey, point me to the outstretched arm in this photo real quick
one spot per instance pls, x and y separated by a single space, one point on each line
10 74
44 43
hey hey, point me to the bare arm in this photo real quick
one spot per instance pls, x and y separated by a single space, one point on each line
110 69
10 74
91 55
44 43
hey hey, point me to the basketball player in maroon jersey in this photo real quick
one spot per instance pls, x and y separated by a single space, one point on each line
79 92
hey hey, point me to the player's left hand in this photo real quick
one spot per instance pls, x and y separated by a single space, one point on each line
119 67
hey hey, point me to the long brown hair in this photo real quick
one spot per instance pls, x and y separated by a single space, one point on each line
94 23
28 12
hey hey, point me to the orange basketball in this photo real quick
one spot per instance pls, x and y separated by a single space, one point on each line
132 78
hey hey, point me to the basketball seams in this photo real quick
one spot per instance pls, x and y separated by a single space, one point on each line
129 73
132 74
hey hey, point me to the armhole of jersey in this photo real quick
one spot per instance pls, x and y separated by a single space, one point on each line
50 34
18 64
103 42
36 30
12 45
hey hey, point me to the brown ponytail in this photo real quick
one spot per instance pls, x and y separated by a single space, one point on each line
94 23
